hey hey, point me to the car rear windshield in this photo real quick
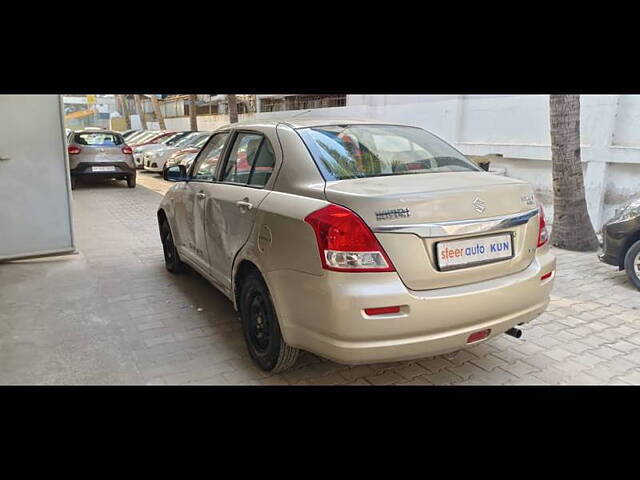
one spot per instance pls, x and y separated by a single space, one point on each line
142 137
192 139
357 151
98 139
168 139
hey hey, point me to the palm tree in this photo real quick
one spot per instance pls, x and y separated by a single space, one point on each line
193 114
140 112
158 112
233 108
125 110
572 228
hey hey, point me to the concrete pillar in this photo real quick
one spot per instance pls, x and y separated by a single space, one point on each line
596 155
457 119
594 185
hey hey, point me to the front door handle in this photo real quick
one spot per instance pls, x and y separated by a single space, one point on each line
244 204
4 159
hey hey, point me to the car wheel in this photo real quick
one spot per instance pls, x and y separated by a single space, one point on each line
261 329
632 264
171 258
131 181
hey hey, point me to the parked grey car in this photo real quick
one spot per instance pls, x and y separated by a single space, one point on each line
102 154
621 240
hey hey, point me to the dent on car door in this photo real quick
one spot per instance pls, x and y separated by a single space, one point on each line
234 199
195 199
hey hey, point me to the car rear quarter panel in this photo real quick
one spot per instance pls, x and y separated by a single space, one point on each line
281 239
299 174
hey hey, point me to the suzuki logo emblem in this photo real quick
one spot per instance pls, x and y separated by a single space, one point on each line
479 205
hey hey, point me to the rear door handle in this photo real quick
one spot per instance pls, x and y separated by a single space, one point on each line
201 195
244 204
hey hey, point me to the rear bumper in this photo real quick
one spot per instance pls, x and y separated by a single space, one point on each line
325 314
120 169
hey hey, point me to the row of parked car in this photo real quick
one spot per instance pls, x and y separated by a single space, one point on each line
154 150
98 152
373 242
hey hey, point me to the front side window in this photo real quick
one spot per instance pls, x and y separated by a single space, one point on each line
209 157
357 151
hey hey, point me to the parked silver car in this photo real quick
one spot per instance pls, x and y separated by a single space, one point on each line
359 241
102 154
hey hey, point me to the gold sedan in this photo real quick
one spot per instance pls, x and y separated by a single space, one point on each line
358 241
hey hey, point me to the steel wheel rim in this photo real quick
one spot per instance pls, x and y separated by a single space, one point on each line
260 324
168 241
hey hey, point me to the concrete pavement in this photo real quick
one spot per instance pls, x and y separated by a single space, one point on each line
112 314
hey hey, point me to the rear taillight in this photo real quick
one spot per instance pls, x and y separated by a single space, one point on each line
346 243
543 234
127 150
73 150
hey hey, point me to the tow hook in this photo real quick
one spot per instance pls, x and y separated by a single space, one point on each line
514 332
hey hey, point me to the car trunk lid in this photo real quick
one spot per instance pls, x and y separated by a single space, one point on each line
101 153
412 214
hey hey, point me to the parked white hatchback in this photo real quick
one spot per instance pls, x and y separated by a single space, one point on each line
358 241
154 160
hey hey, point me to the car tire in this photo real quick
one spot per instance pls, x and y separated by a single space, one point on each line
172 260
131 181
261 329
632 264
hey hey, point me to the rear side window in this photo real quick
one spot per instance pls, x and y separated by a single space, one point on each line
250 162
98 139
263 166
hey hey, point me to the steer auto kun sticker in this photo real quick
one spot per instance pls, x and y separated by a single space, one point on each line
464 253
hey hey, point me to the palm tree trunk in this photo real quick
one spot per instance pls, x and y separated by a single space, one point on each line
193 114
140 112
158 112
233 108
572 228
125 110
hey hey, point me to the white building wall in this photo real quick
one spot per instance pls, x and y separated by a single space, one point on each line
515 126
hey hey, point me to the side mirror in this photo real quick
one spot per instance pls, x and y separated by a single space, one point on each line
175 173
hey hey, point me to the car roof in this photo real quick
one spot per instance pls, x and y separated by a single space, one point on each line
91 130
306 122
